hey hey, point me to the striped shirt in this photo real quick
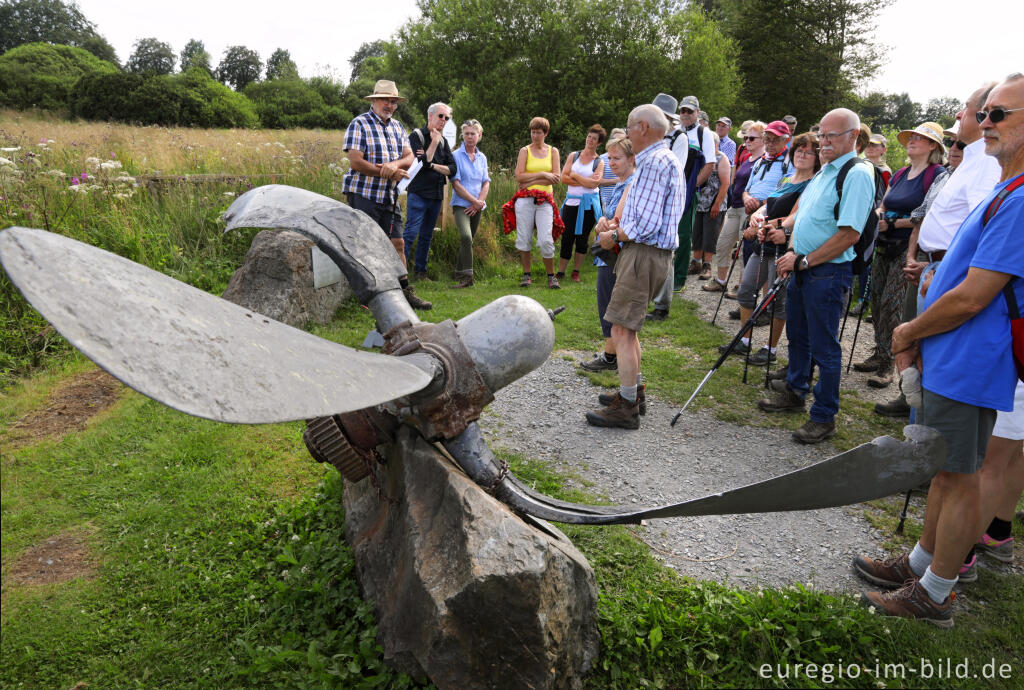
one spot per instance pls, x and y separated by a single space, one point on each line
380 142
654 205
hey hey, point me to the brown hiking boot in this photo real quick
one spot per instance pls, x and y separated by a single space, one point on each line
694 268
414 301
870 364
890 573
911 601
641 398
705 271
883 378
893 408
784 400
712 286
814 432
619 413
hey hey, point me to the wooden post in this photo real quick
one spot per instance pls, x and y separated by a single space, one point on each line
447 219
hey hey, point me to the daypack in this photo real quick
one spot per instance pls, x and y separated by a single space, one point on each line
593 164
1016 322
929 175
865 245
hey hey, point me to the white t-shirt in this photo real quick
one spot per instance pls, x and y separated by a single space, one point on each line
707 148
682 146
967 187
583 170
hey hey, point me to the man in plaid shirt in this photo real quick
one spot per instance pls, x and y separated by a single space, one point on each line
648 231
379 156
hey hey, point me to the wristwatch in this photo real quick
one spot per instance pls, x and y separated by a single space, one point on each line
800 263
615 235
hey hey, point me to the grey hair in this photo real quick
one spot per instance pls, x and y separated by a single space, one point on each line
984 91
652 115
433 109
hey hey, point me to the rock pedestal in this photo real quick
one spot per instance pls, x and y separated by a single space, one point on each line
466 592
276 280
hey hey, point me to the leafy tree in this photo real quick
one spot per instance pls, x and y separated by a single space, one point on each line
332 91
151 56
284 103
374 68
942 110
281 66
46 21
506 61
101 48
194 54
377 48
802 57
239 67
40 75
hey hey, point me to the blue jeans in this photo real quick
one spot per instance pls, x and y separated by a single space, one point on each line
420 216
815 300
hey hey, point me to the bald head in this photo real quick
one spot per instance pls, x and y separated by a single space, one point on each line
646 125
839 130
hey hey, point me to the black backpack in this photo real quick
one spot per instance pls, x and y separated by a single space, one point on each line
865 245
575 154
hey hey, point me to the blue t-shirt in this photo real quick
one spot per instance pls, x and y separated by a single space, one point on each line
974 362
816 220
766 175
470 173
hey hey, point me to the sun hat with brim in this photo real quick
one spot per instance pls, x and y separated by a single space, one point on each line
878 139
384 89
928 130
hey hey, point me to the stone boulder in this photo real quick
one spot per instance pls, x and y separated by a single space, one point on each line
466 592
276 280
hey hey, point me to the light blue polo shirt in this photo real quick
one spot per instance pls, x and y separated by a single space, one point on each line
816 220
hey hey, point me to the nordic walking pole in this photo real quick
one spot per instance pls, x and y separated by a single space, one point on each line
860 317
728 276
780 283
846 314
903 515
757 287
771 334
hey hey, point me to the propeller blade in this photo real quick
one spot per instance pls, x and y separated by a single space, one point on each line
189 349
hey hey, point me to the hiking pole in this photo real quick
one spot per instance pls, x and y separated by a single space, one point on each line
757 287
728 276
846 314
860 317
771 335
779 284
903 515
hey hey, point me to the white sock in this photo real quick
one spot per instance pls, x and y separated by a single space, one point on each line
938 588
919 559
628 392
746 341
720 282
772 349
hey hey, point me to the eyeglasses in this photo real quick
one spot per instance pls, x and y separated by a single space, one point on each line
688 111
806 151
444 117
950 144
997 115
829 136
752 137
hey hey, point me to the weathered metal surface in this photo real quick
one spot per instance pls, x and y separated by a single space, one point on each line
191 350
446 413
872 470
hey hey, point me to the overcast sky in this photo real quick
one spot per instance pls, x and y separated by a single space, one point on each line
937 48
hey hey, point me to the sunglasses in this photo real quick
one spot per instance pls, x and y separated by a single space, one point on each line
950 144
444 117
997 115
755 137
688 111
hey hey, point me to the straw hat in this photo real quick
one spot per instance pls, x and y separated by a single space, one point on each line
928 130
384 89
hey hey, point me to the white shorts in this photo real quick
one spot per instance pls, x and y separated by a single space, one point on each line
1010 425
531 215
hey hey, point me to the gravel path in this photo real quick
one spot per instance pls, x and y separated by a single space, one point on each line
541 416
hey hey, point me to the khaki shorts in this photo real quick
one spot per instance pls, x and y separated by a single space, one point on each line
640 272
965 427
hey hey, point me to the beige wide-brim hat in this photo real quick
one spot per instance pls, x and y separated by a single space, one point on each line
928 130
384 89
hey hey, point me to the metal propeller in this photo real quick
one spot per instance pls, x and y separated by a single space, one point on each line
210 358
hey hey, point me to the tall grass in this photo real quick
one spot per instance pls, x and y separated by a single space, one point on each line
87 181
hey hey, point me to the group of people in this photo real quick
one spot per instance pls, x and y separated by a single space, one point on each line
945 279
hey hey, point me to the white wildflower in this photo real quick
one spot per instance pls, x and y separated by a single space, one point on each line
6 161
228 194
10 149
93 162
296 537
110 165
304 570
284 574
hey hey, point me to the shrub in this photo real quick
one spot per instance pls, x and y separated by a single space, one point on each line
286 103
40 75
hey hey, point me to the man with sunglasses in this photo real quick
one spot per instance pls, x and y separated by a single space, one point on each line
379 157
426 191
821 260
961 344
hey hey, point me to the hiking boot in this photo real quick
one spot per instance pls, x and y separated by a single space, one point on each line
1001 550
883 379
734 314
705 271
969 570
889 573
779 374
599 363
575 276
417 276
856 309
553 283
415 301
694 268
741 349
464 283
527 280
732 292
781 401
870 364
814 432
893 408
679 288
560 275
657 315
763 319
712 286
762 357
619 413
911 601
641 398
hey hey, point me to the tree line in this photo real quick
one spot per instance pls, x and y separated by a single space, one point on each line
499 61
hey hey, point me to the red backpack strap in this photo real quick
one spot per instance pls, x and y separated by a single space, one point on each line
998 201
